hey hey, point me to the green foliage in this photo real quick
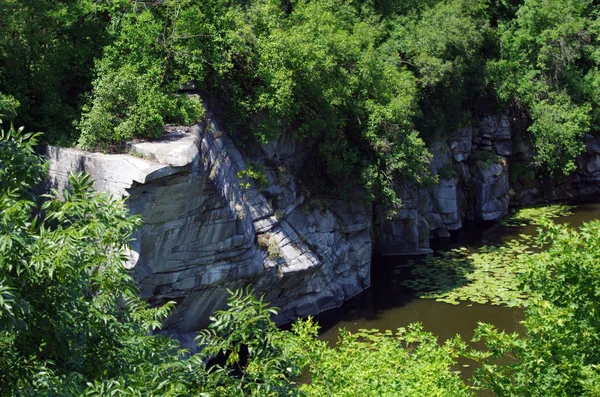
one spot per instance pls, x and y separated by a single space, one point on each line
549 61
128 105
487 157
441 42
21 167
260 359
558 127
361 83
133 92
521 172
47 50
255 173
322 72
409 362
69 313
447 172
559 355
267 242
8 106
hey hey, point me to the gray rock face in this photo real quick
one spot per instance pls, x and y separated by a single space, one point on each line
287 150
406 232
495 128
203 230
206 232
462 144
444 197
491 191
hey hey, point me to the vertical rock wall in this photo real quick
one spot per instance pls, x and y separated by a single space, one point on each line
482 170
205 231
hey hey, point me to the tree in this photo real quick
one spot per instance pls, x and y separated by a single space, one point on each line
548 61
69 312
560 354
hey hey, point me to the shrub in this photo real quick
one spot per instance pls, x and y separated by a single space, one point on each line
255 173
487 158
447 172
127 105
559 355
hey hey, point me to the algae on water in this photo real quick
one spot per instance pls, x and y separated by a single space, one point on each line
534 214
488 275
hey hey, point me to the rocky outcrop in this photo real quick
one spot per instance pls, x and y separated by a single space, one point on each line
482 169
206 230
212 224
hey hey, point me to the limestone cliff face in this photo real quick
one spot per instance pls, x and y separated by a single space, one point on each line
205 231
483 169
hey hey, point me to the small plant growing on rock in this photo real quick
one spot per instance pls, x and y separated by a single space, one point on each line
447 172
279 214
267 242
285 179
255 173
487 158
239 210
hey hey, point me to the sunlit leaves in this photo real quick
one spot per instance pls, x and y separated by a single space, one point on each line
408 362
68 310
535 215
559 354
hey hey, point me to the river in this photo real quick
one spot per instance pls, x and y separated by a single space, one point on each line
389 305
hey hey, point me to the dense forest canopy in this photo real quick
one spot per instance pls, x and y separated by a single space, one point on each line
366 83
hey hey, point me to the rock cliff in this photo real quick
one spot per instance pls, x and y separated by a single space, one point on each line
207 230
482 169
209 225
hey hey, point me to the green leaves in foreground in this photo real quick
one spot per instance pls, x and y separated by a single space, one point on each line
409 362
560 355
488 275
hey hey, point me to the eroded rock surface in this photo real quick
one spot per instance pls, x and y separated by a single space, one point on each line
482 169
205 232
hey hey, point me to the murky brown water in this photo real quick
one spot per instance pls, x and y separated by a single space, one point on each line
388 305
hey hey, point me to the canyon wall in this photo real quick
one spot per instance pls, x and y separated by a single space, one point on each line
483 169
207 228
210 226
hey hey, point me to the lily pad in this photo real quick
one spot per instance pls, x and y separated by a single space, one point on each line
489 275
532 215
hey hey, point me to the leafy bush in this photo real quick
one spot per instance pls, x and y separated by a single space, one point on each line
559 355
47 52
447 171
69 312
260 359
486 157
257 174
558 127
21 168
133 93
8 106
548 62
369 363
